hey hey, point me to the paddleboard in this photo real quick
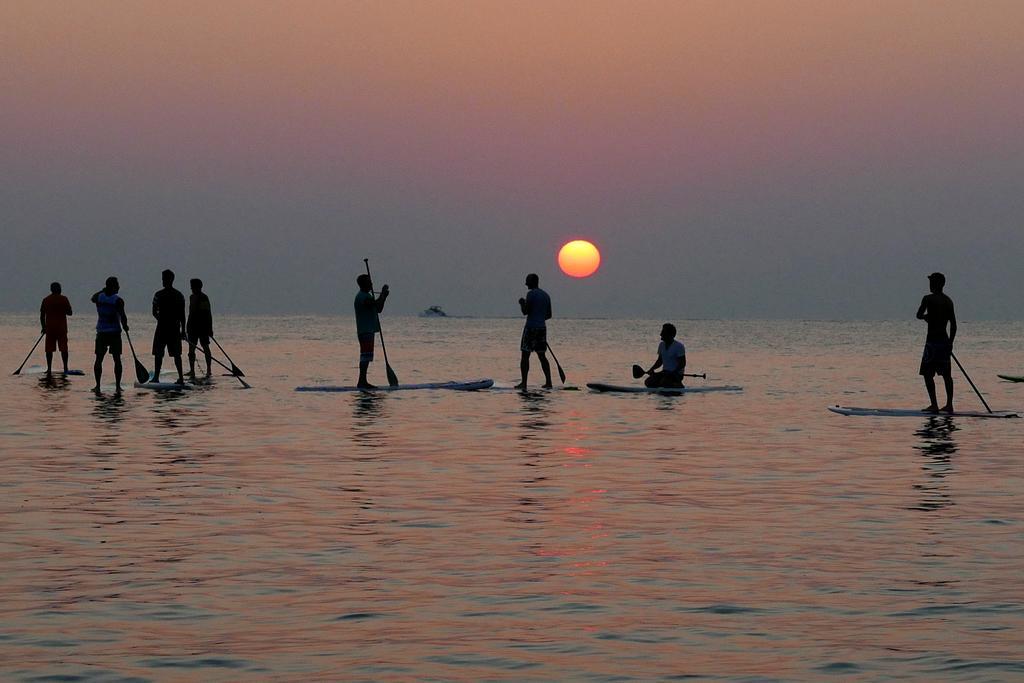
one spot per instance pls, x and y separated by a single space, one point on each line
909 412
163 386
534 387
1012 378
40 370
663 391
470 385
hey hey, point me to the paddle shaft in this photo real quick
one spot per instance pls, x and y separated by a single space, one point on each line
561 372
234 368
194 347
970 381
392 377
141 373
639 372
18 371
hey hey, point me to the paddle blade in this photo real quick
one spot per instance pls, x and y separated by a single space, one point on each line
392 377
638 372
141 373
561 373
237 371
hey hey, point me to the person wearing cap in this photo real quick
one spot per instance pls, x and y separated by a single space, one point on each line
937 310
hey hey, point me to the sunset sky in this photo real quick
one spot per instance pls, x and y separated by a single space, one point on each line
729 159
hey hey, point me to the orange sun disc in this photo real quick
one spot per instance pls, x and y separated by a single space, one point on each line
579 258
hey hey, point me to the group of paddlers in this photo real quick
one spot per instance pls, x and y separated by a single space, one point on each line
172 326
196 328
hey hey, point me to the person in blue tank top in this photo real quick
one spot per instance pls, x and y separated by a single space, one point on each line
536 306
111 319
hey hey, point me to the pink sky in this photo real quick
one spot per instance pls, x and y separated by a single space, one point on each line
559 105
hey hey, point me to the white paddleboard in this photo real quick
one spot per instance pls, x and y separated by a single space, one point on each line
1011 378
909 412
534 387
663 391
163 386
41 370
470 385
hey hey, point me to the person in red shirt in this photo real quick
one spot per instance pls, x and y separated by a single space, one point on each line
53 319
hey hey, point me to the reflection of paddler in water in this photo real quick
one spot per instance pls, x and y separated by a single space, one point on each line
671 359
111 319
536 306
169 311
367 309
53 321
937 310
199 326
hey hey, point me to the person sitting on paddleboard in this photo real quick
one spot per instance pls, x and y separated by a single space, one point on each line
537 309
199 326
671 358
53 319
169 311
111 320
367 309
937 310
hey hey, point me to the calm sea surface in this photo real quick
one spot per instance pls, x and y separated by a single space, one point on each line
230 534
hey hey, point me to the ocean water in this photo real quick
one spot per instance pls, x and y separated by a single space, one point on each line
231 534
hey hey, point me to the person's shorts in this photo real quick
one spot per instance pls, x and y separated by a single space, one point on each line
366 347
664 379
171 340
108 341
198 338
57 341
935 359
534 339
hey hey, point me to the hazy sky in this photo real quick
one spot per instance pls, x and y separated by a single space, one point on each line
730 159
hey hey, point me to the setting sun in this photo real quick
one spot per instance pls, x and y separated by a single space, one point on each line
579 258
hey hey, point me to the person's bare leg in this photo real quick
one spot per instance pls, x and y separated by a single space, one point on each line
929 384
158 360
64 359
177 366
117 374
97 371
546 367
364 365
524 369
948 381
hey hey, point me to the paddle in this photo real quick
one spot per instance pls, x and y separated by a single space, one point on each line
141 373
18 371
392 377
235 370
639 372
561 372
195 348
970 381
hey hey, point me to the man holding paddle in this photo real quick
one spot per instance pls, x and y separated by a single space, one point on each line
199 326
53 319
536 306
111 319
169 311
671 359
937 310
368 309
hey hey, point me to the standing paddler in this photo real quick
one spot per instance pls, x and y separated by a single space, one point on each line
937 310
199 326
110 320
169 311
367 308
536 306
53 319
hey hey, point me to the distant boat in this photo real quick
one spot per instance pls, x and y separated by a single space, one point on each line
433 312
